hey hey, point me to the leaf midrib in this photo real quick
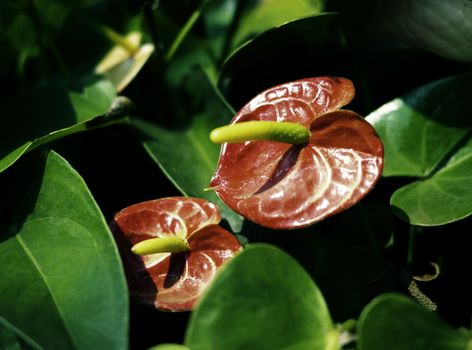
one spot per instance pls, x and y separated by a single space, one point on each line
45 281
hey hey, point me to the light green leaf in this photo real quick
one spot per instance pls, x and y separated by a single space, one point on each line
62 281
426 134
440 26
395 322
187 156
32 119
262 300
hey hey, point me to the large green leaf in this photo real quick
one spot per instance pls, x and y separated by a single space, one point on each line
186 155
309 46
426 134
32 119
395 322
62 281
262 300
441 26
259 16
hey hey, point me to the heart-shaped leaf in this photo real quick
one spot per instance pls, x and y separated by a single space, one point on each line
279 185
262 300
308 46
426 135
33 120
395 322
62 281
173 281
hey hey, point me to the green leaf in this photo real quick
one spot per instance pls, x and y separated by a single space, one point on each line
187 156
62 281
395 322
262 300
442 27
32 120
259 16
309 46
426 134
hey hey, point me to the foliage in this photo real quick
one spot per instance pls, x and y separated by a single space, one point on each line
73 154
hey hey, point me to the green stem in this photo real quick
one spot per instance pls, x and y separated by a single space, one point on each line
183 33
414 230
292 133
170 244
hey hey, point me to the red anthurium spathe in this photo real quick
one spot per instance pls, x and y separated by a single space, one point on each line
172 281
282 185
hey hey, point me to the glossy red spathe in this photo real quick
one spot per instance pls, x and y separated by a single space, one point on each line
173 281
284 186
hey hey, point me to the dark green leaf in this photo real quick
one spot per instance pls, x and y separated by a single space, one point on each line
262 300
62 281
259 16
395 322
426 135
33 119
307 47
442 27
186 155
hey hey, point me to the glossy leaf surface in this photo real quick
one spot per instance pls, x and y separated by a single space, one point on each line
279 185
262 300
395 322
426 135
34 120
58 228
443 27
173 282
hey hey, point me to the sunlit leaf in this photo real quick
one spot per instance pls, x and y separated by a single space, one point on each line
32 120
426 135
262 300
62 281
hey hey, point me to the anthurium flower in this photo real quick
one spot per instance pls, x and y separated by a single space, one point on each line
325 161
124 61
171 249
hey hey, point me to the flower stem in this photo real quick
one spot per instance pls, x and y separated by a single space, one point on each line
292 133
170 244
